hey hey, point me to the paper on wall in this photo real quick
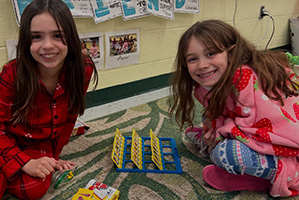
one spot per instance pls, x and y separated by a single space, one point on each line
11 46
132 9
19 7
187 6
105 9
161 8
88 39
122 48
78 8
102 10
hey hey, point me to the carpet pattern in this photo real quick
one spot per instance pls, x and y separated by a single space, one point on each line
92 153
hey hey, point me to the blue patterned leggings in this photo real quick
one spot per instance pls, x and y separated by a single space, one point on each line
237 158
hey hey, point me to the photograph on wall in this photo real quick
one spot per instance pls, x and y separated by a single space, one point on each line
80 8
122 48
93 45
132 9
161 8
105 9
187 6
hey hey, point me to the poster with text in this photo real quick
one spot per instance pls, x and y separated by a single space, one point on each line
105 9
122 48
187 6
19 6
93 45
132 9
78 8
161 8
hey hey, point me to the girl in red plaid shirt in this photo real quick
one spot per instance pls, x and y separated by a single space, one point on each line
42 93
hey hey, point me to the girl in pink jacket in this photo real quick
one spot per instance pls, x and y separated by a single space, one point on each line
251 109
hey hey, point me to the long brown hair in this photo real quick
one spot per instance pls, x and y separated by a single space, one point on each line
219 36
27 80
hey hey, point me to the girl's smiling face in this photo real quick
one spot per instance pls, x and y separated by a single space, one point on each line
205 67
47 43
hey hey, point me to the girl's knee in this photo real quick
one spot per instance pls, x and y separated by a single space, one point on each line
226 148
39 191
219 150
29 187
222 155
3 184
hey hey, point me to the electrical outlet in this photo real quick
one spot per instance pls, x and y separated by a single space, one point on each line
262 13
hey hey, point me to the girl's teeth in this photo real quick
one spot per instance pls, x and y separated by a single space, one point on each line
207 74
49 55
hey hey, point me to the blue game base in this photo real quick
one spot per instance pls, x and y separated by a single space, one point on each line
169 154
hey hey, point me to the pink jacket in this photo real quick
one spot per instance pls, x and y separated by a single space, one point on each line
263 125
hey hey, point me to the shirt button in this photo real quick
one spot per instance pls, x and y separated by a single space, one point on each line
54 101
56 117
55 132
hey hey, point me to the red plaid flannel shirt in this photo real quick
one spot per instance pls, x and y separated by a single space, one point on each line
48 124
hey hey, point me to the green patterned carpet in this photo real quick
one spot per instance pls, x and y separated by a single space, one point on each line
92 153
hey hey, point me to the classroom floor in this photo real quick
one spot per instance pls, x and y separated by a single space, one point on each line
109 108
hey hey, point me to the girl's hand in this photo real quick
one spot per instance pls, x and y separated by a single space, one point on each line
209 137
209 134
40 167
207 124
64 165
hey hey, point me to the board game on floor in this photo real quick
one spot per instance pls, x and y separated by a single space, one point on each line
145 154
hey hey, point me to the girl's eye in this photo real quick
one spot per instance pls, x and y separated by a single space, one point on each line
35 37
191 59
57 36
210 54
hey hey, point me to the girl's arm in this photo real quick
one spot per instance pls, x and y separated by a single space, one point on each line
12 158
262 124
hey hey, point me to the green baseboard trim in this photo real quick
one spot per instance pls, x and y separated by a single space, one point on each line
110 94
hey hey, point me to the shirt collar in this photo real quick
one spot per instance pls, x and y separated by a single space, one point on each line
60 86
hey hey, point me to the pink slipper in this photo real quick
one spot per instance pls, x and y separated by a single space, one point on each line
220 179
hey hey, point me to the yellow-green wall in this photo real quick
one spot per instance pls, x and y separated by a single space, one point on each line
159 36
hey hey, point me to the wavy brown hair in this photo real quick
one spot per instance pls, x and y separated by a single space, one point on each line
219 36
27 81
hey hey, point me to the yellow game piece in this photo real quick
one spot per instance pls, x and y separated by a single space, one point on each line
118 149
136 149
70 175
156 151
